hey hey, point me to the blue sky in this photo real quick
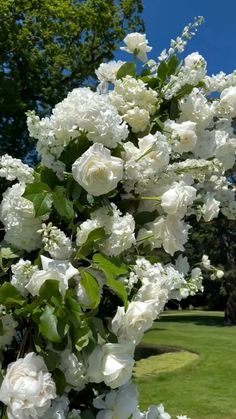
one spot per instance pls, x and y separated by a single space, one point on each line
215 40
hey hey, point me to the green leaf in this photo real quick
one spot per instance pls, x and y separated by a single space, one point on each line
172 65
62 204
49 289
87 414
60 381
82 337
185 90
94 238
40 195
51 359
91 287
127 69
112 269
49 325
10 296
49 177
162 71
145 217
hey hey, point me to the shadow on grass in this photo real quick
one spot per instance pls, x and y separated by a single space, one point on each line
144 351
198 319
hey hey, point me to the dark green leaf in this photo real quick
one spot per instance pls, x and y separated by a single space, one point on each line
162 71
51 359
91 287
145 217
172 65
49 325
10 296
112 269
62 204
94 238
185 90
60 381
40 195
49 289
127 69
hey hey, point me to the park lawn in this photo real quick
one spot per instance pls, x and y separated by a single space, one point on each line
204 387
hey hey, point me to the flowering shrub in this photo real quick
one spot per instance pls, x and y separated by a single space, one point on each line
94 236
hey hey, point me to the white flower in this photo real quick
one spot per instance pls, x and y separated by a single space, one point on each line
219 273
129 93
111 363
176 199
56 242
194 60
27 388
8 328
169 232
137 44
58 409
228 100
12 169
74 368
132 323
206 263
106 72
182 264
120 229
22 272
184 135
118 404
97 171
137 118
211 207
59 270
18 216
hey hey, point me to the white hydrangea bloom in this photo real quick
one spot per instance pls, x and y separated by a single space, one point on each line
119 228
196 108
13 169
138 119
228 101
18 216
74 368
27 388
150 158
117 404
137 44
56 242
82 110
128 96
22 272
9 325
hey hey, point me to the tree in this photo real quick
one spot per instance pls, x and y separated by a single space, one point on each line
48 47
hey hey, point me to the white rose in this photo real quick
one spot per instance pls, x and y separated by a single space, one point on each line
60 270
106 72
211 207
97 171
136 43
178 198
228 100
27 388
132 323
111 363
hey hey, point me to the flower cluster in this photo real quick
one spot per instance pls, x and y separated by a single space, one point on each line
95 236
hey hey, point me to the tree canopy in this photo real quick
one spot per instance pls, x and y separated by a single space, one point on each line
48 47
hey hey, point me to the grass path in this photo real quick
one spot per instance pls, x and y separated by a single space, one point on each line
203 387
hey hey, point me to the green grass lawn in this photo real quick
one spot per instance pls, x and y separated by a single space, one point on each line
203 386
